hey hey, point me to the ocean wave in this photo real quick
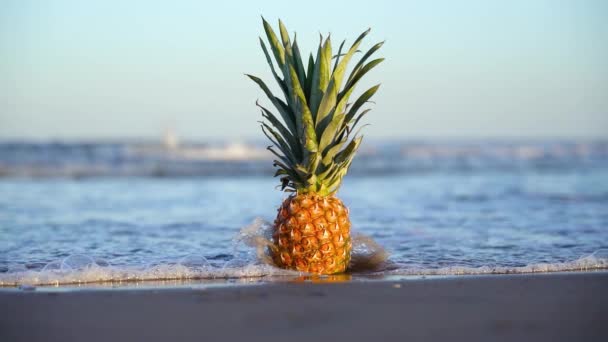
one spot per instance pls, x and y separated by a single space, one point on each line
129 159
80 269
249 260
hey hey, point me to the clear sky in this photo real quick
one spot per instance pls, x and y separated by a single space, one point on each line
108 69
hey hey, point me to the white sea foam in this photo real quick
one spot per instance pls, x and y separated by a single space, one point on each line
94 273
595 261
67 271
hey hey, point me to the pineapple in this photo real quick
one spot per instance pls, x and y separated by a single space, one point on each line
314 145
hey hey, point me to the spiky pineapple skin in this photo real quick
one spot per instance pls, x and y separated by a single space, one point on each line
312 234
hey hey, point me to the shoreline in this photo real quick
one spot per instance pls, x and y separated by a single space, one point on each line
175 282
110 276
539 307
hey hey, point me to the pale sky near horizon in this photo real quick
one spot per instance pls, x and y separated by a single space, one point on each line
114 69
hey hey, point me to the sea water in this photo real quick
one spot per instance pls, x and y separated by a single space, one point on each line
123 211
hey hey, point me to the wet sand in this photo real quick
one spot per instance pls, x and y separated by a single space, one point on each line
539 307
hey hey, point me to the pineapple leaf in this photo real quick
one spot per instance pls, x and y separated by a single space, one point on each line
312 137
360 102
337 123
308 138
359 118
315 160
338 73
329 134
338 110
284 34
274 73
363 59
360 129
336 181
281 157
329 169
295 176
331 94
289 138
289 58
344 160
283 109
292 98
309 72
341 106
325 65
350 149
369 66
280 143
332 151
320 78
299 65
339 54
326 106
280 172
330 177
277 49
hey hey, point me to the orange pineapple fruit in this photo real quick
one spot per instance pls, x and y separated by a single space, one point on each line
314 145
312 234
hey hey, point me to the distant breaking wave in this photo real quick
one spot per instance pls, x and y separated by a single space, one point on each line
130 159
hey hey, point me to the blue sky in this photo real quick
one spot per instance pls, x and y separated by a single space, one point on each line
107 69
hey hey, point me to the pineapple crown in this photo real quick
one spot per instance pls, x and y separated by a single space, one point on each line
314 143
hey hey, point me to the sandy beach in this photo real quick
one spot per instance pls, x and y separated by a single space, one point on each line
539 307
